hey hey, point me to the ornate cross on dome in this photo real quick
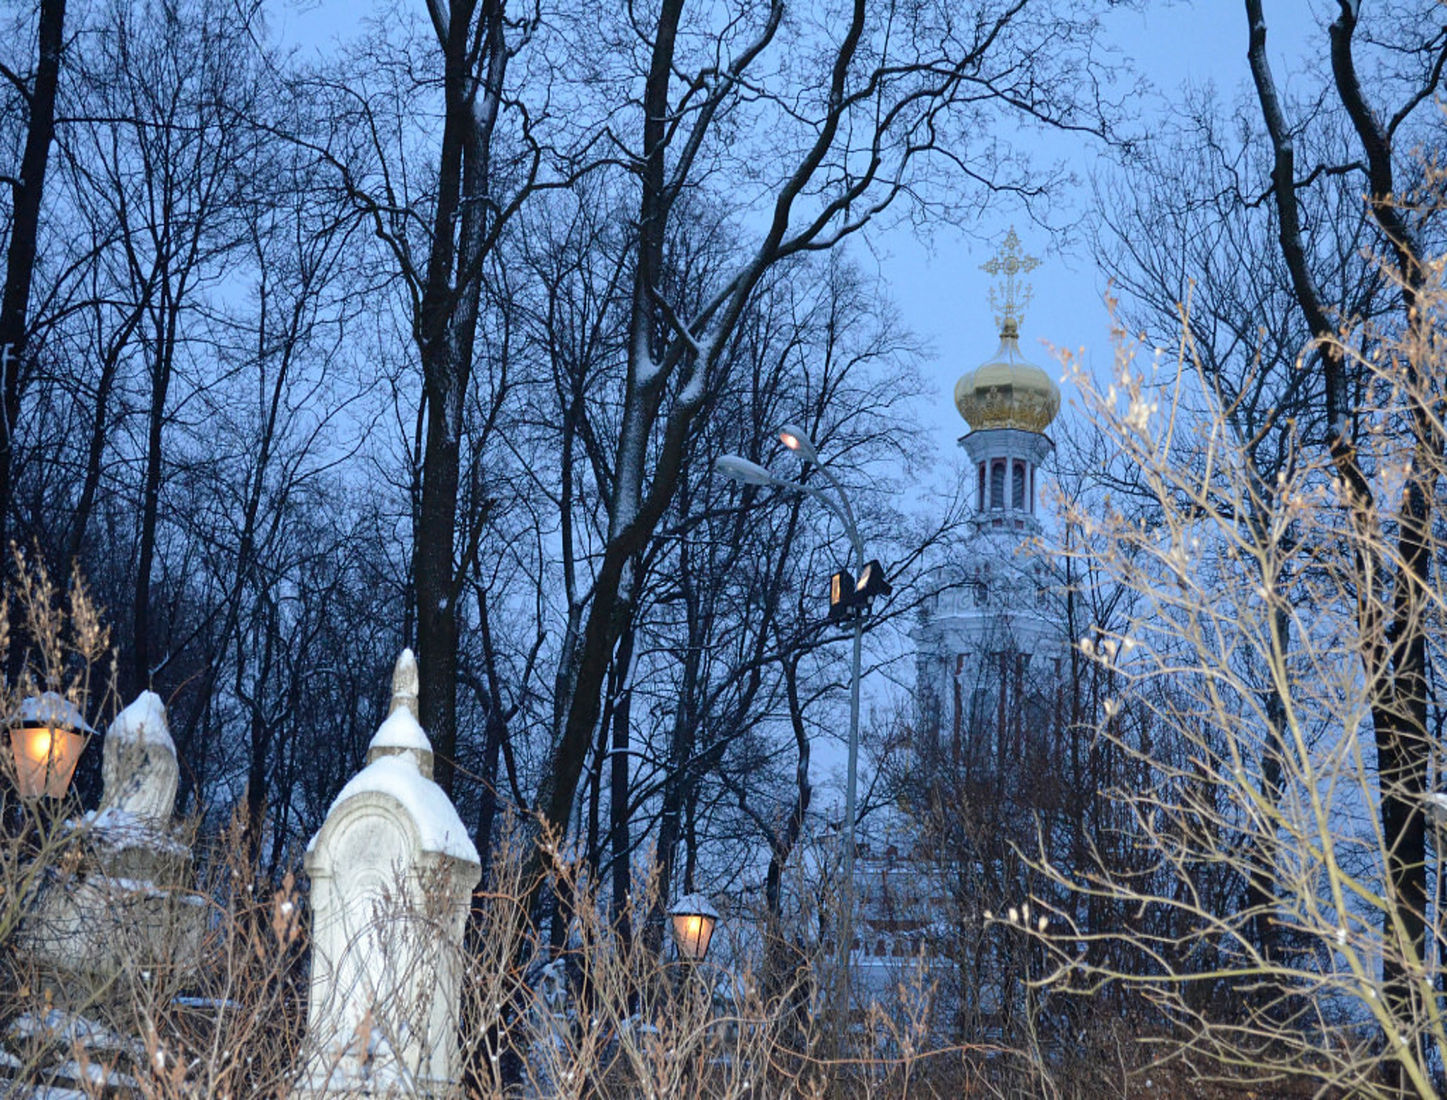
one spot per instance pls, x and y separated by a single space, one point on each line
1010 262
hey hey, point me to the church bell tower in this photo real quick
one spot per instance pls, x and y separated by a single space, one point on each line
1008 403
989 645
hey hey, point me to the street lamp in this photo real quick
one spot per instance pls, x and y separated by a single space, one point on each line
746 472
694 919
798 441
848 599
47 734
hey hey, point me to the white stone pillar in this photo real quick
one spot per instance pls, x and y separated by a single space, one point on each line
392 872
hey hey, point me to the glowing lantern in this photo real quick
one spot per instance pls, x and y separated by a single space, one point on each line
47 735
693 923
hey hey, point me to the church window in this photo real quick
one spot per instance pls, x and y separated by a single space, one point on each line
1017 487
997 484
980 499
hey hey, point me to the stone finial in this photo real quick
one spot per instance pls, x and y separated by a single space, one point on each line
404 684
138 765
400 734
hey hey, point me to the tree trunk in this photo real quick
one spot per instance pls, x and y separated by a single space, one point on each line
139 679
446 335
24 233
95 447
781 960
433 572
626 528
619 845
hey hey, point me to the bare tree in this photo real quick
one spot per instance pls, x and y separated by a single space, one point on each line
847 142
1344 968
1392 632
27 188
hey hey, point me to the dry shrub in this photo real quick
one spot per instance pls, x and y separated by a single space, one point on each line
227 1024
1258 930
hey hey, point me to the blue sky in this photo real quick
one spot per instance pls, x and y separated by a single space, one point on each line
942 294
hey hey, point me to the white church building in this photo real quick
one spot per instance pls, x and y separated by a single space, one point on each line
991 653
990 646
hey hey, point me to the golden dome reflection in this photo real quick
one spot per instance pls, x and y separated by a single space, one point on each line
1007 391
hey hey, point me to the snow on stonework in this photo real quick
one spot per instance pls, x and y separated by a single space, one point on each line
400 733
405 684
127 903
138 765
392 871
143 720
401 730
399 765
439 828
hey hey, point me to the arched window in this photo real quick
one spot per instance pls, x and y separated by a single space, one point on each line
1017 487
980 499
997 484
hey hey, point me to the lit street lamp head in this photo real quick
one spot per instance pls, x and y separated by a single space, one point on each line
694 918
47 735
742 470
872 582
798 441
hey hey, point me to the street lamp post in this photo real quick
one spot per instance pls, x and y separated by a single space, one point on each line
870 583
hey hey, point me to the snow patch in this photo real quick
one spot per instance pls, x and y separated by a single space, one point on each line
215 1004
397 777
58 1026
694 904
123 829
49 709
144 721
96 1075
401 730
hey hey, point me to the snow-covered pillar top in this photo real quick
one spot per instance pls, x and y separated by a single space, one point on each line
138 767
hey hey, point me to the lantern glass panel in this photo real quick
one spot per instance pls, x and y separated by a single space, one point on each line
692 932
45 759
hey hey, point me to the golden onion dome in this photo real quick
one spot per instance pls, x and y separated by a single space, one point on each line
1007 391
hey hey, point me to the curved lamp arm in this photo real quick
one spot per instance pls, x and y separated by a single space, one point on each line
751 473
